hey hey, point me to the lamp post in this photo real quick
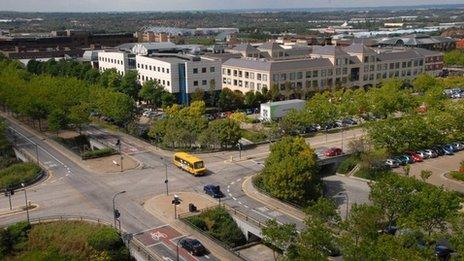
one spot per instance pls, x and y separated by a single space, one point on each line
27 205
344 194
116 213
176 201
166 181
177 246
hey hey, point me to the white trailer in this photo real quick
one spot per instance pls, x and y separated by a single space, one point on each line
275 110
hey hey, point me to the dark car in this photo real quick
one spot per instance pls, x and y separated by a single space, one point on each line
401 160
443 250
349 121
213 190
439 150
448 149
408 159
310 129
193 246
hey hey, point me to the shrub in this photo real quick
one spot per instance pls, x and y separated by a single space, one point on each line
105 239
219 224
98 153
18 173
457 175
347 165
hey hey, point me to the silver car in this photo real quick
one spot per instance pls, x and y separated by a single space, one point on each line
431 153
392 163
423 154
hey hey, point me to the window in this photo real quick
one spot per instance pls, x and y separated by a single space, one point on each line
167 83
162 70
228 72
167 70
315 73
246 84
323 73
252 75
224 71
164 82
258 76
224 80
247 75
275 77
195 83
240 83
150 67
252 85
212 69
283 77
265 86
258 86
240 74
235 82
195 70
235 72
203 70
264 77
292 76
308 74
159 69
204 82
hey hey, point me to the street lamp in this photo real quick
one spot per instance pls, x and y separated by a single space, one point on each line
25 197
177 246
176 201
166 181
344 194
116 213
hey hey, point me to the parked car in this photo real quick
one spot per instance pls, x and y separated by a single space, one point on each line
310 128
439 150
213 190
416 157
349 121
401 160
422 154
458 146
333 152
407 158
448 149
431 153
193 246
392 163
248 111
443 250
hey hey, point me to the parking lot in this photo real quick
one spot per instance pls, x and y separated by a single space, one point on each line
439 167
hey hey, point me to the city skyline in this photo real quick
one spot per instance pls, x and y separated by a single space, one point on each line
186 5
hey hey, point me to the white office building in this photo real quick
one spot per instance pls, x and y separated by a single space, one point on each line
114 60
180 74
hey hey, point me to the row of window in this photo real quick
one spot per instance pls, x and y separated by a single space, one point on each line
152 68
146 78
203 83
246 75
245 84
110 60
204 70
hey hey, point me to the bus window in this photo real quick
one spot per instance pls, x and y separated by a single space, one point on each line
198 165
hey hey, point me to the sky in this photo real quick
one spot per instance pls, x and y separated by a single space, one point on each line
185 5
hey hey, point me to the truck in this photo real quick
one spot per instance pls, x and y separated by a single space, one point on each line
271 111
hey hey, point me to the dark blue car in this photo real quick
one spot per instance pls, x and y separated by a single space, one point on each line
213 190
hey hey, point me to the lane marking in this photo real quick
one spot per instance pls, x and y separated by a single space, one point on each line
234 198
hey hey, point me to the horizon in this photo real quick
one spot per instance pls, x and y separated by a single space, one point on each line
290 8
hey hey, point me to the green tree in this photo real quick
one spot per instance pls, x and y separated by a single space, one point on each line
57 120
290 171
280 236
129 85
425 82
227 131
198 95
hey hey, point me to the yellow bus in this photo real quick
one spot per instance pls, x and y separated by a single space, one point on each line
189 163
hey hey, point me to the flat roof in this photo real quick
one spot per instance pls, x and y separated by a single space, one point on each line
294 101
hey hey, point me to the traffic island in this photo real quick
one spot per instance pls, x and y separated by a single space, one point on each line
111 164
16 210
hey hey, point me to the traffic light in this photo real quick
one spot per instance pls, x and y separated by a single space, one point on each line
117 214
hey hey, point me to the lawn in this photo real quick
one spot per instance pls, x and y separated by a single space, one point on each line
17 173
64 240
253 136
457 175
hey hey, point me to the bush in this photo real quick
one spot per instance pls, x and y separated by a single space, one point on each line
253 136
372 174
105 239
98 153
18 173
347 165
457 175
219 224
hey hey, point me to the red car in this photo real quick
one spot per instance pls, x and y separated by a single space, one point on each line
333 152
416 157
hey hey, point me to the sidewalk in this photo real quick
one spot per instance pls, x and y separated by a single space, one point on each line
160 206
88 165
252 192
17 210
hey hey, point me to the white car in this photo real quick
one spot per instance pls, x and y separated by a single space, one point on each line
392 163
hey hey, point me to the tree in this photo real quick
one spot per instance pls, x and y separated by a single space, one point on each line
325 209
425 82
280 236
198 95
250 100
117 106
57 120
227 132
230 100
290 171
150 93
425 175
167 99
129 85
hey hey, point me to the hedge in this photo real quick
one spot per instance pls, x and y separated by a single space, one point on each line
98 153
347 165
18 173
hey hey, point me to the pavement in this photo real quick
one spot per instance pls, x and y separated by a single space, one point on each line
76 189
439 167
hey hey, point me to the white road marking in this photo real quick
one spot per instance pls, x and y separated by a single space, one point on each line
228 190
234 198
238 179
246 206
230 195
232 183
206 256
67 175
240 203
